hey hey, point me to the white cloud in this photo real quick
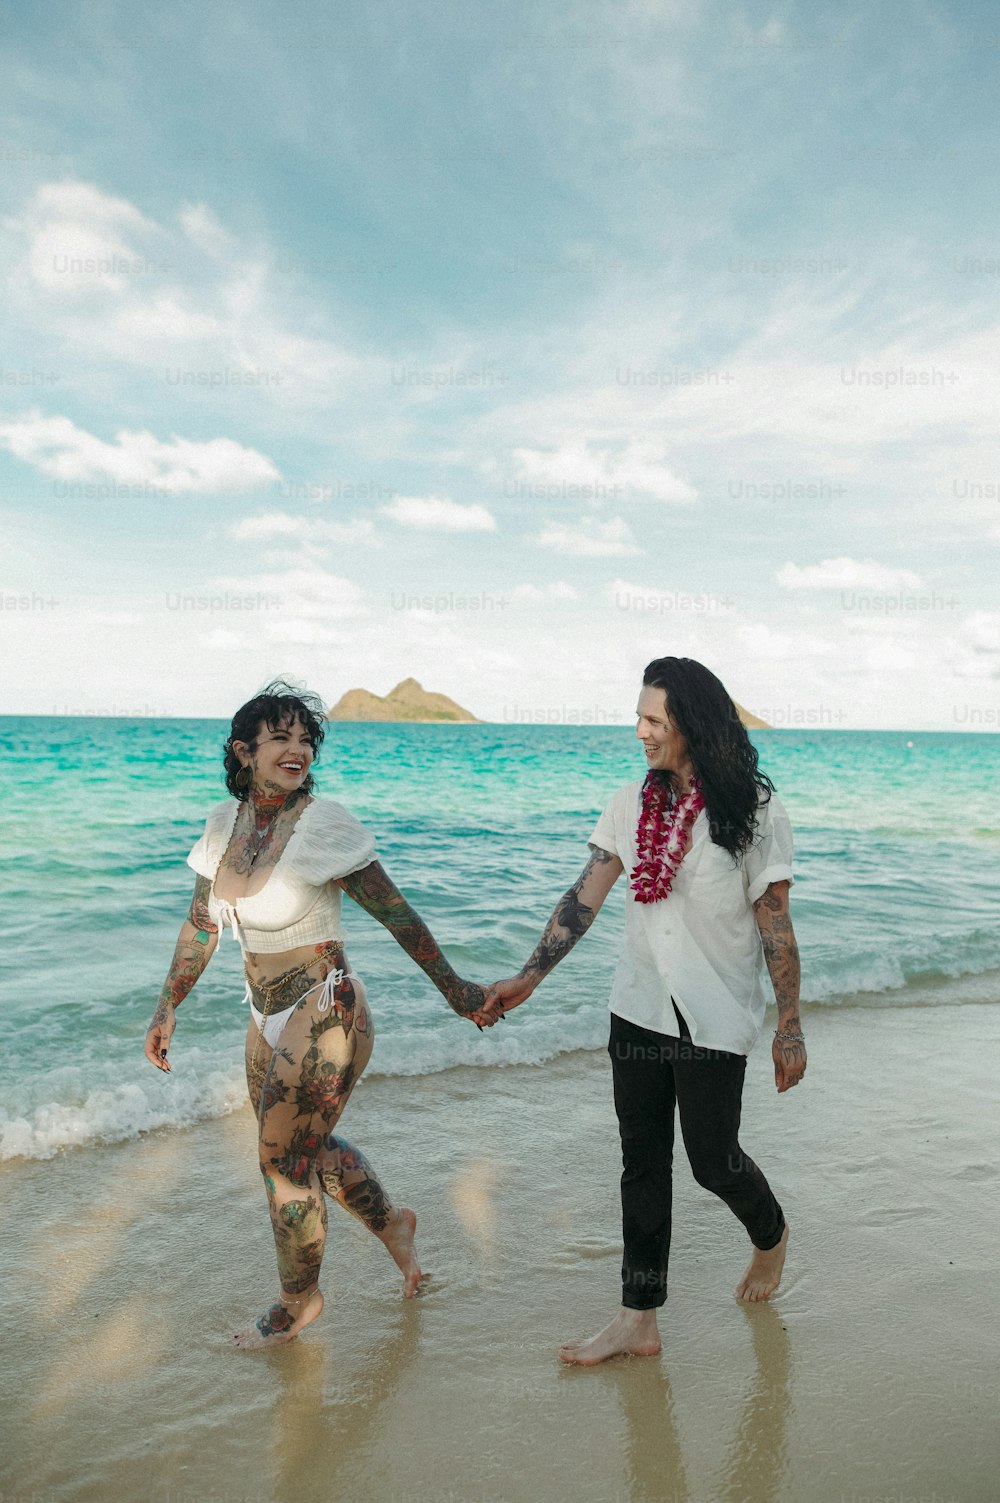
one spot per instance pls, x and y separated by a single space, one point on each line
438 514
316 530
535 595
784 414
109 618
304 631
762 642
77 244
298 607
223 640
976 649
82 201
288 597
981 632
848 574
57 447
890 657
587 539
574 471
149 294
625 594
204 230
164 317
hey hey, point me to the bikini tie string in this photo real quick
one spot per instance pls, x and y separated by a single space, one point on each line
327 995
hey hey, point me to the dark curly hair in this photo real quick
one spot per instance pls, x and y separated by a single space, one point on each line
277 704
722 753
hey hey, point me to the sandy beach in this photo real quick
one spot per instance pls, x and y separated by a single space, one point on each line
872 1375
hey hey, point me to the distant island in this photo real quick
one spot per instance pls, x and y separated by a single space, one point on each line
408 701
752 722
411 701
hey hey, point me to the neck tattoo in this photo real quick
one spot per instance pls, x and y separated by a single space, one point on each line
264 814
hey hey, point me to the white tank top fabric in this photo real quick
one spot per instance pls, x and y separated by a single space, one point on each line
298 904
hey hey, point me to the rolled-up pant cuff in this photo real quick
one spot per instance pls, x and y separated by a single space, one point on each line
765 1245
644 1291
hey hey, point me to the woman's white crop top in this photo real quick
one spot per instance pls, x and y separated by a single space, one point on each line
299 903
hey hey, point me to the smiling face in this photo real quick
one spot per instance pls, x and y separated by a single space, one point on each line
666 749
282 760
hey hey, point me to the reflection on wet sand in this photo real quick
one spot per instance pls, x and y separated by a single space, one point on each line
318 1440
757 1457
653 1454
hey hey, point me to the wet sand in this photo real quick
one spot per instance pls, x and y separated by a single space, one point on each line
871 1375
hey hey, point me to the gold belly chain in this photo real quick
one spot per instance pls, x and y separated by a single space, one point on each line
268 989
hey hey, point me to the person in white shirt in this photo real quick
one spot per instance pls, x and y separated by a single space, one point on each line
708 848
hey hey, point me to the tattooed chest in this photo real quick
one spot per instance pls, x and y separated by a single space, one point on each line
248 863
245 855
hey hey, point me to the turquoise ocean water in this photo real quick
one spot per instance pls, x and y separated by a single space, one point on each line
483 827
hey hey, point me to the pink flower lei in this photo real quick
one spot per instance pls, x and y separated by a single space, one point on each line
663 836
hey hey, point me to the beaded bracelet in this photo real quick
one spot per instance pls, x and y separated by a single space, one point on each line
792 1038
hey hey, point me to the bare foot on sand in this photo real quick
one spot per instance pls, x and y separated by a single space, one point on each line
398 1238
632 1333
282 1322
764 1273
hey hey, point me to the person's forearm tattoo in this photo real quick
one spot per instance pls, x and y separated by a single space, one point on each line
374 890
192 952
569 922
781 953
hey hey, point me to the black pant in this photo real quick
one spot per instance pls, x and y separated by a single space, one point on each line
652 1072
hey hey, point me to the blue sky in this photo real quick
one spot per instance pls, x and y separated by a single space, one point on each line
506 349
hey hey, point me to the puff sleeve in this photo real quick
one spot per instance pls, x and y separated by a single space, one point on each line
208 849
198 859
331 843
769 859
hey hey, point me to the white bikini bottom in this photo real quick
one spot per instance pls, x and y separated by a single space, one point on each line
275 1023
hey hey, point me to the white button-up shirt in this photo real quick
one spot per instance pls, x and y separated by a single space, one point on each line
699 945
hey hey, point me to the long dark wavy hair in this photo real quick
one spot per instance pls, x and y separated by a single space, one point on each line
278 704
720 749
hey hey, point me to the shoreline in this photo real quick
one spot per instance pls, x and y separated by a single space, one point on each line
213 1093
150 1253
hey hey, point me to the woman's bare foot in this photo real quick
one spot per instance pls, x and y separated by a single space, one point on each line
633 1333
398 1238
764 1273
282 1322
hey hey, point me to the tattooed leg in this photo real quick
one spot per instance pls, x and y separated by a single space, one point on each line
310 1076
348 1177
264 1052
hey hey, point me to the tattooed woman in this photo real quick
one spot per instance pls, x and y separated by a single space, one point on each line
271 864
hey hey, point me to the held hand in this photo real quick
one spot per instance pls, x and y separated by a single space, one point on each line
467 998
503 995
158 1036
789 1062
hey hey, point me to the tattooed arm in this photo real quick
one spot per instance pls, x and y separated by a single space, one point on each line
782 956
572 917
374 891
195 945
